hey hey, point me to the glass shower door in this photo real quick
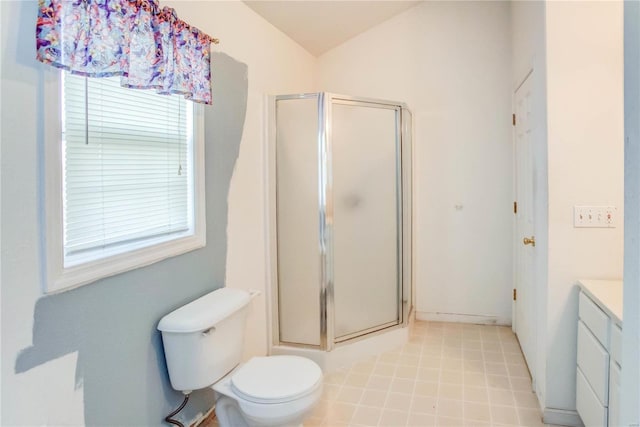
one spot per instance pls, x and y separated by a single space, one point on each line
366 207
298 244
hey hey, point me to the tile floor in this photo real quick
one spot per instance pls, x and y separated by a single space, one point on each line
448 374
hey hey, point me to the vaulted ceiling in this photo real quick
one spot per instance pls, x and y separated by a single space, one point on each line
321 25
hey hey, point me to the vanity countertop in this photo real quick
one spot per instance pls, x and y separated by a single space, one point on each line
607 294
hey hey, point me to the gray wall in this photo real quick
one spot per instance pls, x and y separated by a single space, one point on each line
111 324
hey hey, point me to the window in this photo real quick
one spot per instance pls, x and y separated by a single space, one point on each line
124 179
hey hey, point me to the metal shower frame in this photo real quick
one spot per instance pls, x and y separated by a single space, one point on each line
404 252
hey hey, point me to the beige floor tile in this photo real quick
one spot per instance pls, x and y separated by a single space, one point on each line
409 359
425 388
402 385
398 401
430 349
450 408
357 380
365 416
377 382
472 345
475 379
518 370
451 377
476 394
496 368
504 415
530 417
514 358
526 399
421 420
449 422
452 342
449 374
309 422
452 353
450 391
452 364
501 397
477 411
350 395
431 362
407 371
411 348
476 366
424 404
498 381
337 377
321 409
471 354
330 391
426 374
473 423
493 356
363 367
373 398
491 346
340 412
391 418
511 347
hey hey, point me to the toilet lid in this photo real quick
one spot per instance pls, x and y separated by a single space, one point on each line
276 379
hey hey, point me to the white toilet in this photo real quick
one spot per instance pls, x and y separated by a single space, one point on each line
203 343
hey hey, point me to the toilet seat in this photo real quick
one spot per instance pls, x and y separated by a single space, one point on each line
276 379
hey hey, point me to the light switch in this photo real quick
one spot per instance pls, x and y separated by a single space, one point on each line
594 216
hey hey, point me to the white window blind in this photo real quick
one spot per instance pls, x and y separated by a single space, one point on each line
128 168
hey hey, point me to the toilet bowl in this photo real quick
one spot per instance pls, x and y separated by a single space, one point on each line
268 391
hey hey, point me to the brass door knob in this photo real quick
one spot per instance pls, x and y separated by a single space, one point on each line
529 241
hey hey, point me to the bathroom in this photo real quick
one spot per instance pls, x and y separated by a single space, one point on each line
92 355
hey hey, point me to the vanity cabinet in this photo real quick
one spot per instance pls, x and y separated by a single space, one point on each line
598 364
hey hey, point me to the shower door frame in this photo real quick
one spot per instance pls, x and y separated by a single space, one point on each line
404 252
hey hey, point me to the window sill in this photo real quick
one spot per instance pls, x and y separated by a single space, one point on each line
64 279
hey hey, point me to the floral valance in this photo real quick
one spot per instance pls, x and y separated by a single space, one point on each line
136 39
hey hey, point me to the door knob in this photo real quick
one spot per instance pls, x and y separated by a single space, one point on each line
529 241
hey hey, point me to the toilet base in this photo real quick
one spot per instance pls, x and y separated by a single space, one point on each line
229 414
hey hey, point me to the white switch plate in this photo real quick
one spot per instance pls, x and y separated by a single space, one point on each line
595 216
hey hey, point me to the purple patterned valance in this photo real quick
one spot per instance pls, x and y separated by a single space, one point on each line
136 39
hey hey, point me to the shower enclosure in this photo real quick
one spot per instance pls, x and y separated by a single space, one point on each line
339 218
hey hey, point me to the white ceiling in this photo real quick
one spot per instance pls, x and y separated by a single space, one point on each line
321 25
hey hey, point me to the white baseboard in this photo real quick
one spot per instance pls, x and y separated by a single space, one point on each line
462 318
561 417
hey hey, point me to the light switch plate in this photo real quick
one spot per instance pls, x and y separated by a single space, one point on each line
595 216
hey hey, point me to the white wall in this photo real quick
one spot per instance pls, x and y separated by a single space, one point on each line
52 392
277 65
584 57
450 62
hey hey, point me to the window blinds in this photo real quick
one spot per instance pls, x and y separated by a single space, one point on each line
127 167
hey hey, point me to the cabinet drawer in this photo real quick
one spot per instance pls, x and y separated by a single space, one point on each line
614 396
616 344
593 361
595 319
592 412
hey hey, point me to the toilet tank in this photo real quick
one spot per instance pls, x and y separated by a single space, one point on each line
203 340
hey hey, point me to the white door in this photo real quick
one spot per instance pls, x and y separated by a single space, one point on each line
525 321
